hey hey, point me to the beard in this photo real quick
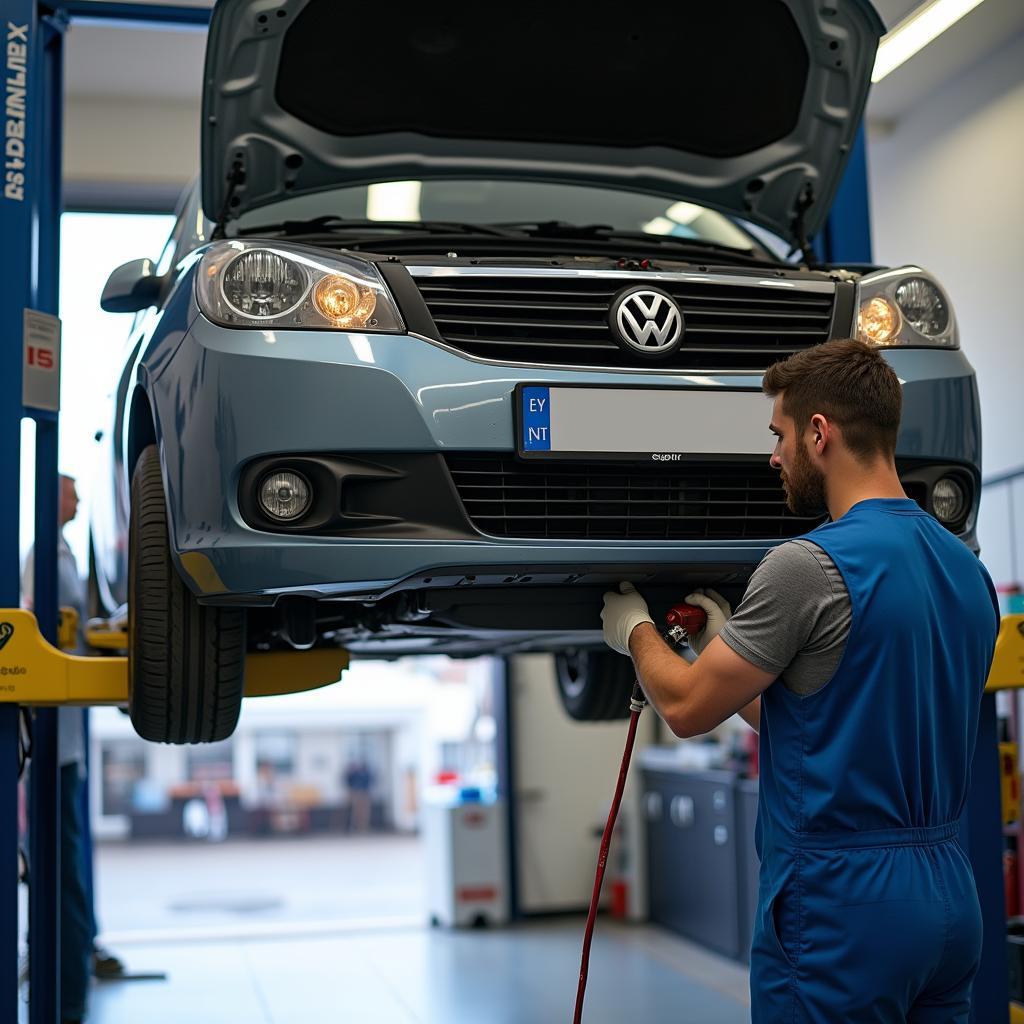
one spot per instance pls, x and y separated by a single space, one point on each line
805 486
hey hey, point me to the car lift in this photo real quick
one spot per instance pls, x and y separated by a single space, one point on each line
34 673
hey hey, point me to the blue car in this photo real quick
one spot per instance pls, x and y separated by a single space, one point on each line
466 320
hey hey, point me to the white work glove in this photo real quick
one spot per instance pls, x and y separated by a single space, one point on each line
621 614
718 611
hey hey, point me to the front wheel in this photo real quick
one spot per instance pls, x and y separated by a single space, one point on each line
186 661
595 686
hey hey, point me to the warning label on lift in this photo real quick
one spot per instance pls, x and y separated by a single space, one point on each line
40 381
15 98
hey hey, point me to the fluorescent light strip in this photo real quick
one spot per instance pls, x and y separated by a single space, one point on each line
916 32
394 200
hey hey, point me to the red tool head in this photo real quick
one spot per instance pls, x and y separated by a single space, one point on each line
689 616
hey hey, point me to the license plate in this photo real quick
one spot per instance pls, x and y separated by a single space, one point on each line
659 424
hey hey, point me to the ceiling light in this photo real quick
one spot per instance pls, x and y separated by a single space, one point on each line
684 213
916 32
659 226
394 200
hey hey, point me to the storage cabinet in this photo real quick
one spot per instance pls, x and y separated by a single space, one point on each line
701 860
692 857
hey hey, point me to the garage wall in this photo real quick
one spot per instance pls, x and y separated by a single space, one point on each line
946 193
147 147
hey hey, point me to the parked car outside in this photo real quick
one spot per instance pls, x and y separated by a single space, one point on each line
458 331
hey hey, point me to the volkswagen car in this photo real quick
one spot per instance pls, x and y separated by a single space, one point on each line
465 322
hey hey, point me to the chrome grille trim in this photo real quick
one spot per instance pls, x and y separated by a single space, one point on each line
558 316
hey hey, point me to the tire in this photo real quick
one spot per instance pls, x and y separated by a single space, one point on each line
595 686
186 662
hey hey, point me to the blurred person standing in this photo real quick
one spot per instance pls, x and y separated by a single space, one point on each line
78 955
359 782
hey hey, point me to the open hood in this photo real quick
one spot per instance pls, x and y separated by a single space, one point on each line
746 106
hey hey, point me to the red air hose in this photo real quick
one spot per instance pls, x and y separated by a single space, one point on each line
602 858
682 620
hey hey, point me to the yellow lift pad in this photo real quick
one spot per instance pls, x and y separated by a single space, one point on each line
33 671
1007 672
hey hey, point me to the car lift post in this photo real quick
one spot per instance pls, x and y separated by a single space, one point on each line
29 228
30 209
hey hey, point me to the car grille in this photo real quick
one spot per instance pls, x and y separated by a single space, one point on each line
569 500
558 320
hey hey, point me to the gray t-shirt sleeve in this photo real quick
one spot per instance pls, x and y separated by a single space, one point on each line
794 618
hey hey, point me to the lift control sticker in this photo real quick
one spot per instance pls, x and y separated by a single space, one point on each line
15 96
40 382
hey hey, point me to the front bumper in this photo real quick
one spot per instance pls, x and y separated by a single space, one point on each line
228 397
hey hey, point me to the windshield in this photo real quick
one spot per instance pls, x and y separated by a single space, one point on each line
504 202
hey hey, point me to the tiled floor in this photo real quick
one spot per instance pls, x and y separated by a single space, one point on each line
325 930
412 975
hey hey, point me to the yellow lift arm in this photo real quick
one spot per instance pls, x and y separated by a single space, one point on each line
33 671
1007 672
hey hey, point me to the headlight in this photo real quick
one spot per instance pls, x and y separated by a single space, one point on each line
923 306
905 307
878 320
261 284
949 500
248 283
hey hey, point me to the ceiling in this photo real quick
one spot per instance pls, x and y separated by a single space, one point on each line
109 60
962 46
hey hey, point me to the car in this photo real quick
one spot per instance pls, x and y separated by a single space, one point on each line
466 321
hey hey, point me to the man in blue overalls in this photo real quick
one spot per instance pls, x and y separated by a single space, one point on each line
860 653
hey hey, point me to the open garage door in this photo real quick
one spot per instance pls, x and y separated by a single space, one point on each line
564 776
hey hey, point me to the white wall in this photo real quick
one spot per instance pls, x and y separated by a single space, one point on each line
131 141
947 192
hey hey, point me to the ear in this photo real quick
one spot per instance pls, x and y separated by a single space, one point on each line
821 432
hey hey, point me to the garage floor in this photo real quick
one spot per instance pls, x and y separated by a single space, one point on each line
415 975
277 932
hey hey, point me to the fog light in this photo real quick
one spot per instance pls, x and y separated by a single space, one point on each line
285 496
949 500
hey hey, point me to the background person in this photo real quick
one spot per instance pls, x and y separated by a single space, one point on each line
79 956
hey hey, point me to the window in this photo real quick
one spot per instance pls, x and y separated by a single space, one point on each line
123 767
210 762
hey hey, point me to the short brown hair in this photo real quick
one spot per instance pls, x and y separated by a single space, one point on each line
850 383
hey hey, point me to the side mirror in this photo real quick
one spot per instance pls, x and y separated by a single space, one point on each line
133 286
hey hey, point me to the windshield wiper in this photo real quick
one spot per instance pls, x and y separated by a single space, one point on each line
331 224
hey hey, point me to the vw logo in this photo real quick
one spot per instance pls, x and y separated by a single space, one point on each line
647 321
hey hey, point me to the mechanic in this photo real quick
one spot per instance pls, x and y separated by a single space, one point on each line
860 653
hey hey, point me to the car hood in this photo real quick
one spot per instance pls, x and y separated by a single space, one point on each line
746 106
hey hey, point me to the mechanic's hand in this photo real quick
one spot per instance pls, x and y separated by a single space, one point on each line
718 611
621 614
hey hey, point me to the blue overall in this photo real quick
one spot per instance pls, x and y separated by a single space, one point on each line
868 909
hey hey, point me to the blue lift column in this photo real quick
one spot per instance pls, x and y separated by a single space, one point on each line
846 239
32 55
29 228
44 796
